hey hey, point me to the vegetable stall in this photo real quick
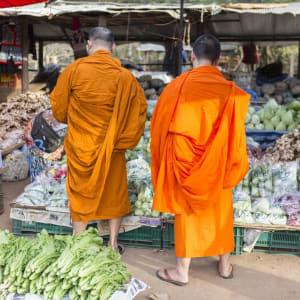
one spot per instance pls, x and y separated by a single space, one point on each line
266 202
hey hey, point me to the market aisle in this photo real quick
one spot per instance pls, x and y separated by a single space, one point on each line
257 276
10 190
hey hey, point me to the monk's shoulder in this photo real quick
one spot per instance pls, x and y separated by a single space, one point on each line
175 82
241 93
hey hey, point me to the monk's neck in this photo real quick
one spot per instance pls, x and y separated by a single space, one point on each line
92 51
202 63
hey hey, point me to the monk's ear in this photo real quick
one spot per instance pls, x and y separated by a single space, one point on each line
113 48
193 57
217 62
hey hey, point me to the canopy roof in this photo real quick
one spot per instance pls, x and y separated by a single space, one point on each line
160 22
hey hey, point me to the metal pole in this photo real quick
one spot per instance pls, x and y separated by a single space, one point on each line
41 55
180 42
25 48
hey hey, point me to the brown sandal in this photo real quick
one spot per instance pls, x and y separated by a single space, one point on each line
167 278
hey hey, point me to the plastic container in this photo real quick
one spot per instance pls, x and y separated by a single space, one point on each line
279 242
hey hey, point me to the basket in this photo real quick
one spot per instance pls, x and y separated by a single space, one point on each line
18 165
168 238
37 163
279 242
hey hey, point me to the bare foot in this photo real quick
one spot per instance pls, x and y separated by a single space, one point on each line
225 269
174 275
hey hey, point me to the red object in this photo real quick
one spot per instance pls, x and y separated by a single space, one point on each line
13 3
75 24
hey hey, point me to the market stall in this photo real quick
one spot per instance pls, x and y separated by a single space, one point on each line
267 199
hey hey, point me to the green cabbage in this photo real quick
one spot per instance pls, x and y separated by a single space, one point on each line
255 120
259 126
287 118
292 126
260 113
269 126
275 121
248 118
272 104
281 127
251 110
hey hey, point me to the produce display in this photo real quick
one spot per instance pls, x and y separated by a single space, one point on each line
261 179
291 204
9 139
49 188
283 91
77 266
274 116
152 87
287 148
256 198
18 165
18 110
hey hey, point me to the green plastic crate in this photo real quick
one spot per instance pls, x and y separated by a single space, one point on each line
30 229
142 237
279 242
168 238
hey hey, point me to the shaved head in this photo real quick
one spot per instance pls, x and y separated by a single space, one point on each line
207 47
102 35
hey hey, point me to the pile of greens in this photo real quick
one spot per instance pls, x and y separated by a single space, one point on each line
53 267
274 116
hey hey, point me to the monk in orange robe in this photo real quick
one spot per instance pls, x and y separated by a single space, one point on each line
198 148
105 109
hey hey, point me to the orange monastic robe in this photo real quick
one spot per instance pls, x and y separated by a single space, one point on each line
105 109
198 148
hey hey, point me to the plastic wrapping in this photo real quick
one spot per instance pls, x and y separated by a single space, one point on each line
242 201
18 165
49 189
291 204
243 216
261 179
285 178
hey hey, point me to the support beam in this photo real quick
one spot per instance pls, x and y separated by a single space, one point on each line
180 45
298 74
41 55
25 49
102 21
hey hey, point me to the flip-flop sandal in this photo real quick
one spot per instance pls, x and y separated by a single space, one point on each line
230 276
167 278
121 249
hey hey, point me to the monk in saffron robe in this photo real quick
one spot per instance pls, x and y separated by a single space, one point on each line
105 109
198 148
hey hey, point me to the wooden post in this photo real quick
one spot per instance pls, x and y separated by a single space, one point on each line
25 48
298 74
102 21
41 55
180 45
292 62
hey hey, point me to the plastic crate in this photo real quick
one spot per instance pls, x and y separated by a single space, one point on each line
168 238
30 229
143 237
279 242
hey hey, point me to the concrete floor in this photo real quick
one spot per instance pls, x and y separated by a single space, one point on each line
257 276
